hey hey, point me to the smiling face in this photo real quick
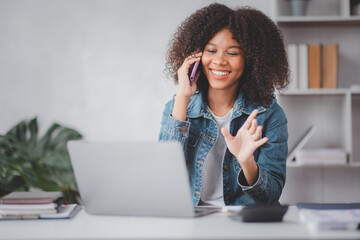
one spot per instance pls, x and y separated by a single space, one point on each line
223 62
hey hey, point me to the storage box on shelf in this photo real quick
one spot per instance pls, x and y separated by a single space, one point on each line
317 10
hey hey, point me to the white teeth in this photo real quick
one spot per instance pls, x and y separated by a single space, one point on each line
219 73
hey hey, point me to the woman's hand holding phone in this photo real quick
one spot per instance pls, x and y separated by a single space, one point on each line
187 88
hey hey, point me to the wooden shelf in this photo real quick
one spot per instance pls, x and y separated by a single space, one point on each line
338 91
296 165
355 92
318 19
319 92
335 112
330 22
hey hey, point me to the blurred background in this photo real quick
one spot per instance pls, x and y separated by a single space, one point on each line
97 66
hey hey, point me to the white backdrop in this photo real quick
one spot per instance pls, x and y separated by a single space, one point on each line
93 65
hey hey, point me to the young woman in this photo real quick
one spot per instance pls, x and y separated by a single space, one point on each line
233 131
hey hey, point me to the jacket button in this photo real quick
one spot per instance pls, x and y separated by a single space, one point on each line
183 128
226 168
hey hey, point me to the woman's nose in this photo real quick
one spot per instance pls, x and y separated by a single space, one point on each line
219 59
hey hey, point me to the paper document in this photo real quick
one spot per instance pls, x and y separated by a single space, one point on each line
64 211
330 216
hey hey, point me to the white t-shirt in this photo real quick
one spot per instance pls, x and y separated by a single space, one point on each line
212 175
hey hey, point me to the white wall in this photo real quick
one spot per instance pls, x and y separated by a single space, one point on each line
93 65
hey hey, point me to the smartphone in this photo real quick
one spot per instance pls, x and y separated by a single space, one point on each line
193 72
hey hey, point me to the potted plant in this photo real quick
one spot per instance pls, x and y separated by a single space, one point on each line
28 161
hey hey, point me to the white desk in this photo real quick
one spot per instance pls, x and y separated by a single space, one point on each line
216 226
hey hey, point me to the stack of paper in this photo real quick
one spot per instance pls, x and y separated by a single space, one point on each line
327 216
25 205
336 156
28 209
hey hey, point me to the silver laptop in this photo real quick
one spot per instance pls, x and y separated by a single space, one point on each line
133 178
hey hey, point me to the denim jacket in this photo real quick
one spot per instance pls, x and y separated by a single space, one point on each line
199 133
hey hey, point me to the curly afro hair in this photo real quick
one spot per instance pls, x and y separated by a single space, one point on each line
266 66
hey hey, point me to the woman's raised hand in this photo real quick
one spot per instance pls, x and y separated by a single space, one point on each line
246 141
185 89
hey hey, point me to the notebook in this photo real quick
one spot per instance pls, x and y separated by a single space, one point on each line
133 178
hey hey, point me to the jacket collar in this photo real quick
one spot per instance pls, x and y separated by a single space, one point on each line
197 107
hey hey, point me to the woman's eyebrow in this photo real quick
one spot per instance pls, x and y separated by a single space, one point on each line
232 46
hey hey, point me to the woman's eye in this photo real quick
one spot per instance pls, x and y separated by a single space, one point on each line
233 53
211 51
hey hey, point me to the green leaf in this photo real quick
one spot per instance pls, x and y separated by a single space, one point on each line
14 183
44 142
18 132
57 160
34 129
29 162
63 136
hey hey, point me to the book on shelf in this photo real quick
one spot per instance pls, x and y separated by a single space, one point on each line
32 205
303 66
329 64
292 53
314 65
330 216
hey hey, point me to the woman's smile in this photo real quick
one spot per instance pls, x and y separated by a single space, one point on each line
219 74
